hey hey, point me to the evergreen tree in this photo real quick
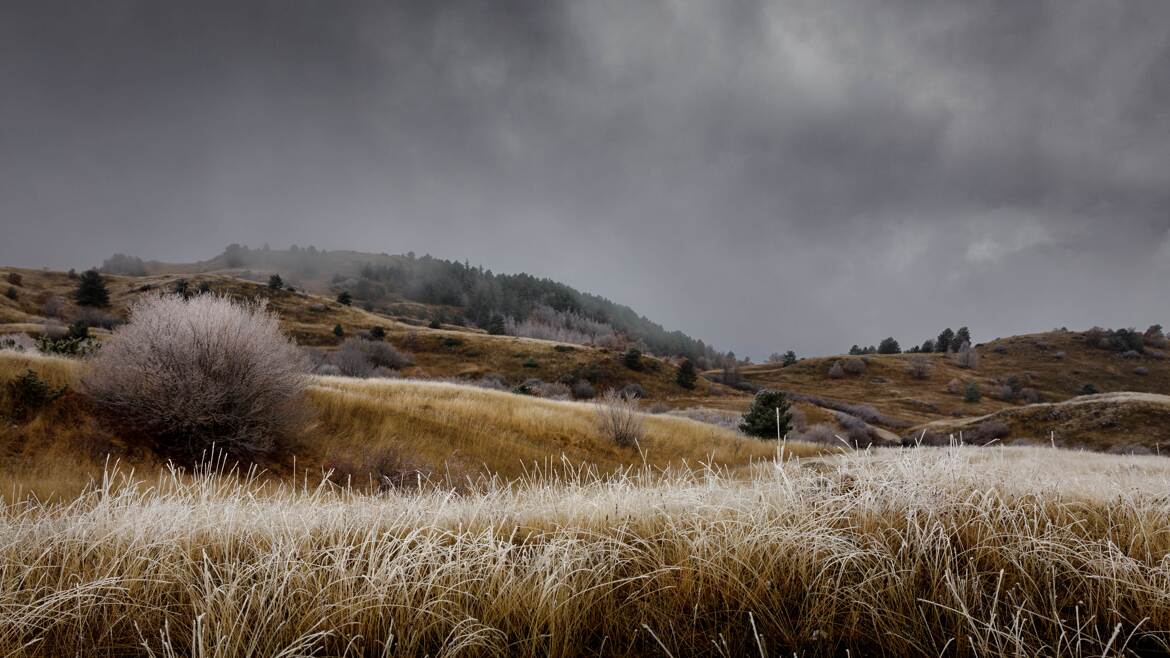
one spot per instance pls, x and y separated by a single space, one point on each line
686 375
632 359
180 287
495 325
963 335
854 351
275 282
91 290
789 358
972 394
760 419
338 331
945 339
344 298
927 346
889 346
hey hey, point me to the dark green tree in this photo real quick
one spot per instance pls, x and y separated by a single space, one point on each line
180 287
12 293
973 394
495 325
686 376
377 333
344 298
760 420
275 282
204 287
963 335
338 331
927 346
91 290
946 340
889 346
632 359
789 358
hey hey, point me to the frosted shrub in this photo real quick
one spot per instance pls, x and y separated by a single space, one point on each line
190 373
619 419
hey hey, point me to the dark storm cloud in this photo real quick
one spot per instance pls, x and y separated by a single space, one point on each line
765 175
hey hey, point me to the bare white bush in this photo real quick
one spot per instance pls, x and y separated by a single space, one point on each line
918 367
190 373
548 323
360 358
967 357
619 419
17 342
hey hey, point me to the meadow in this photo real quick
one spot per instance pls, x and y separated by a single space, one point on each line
935 551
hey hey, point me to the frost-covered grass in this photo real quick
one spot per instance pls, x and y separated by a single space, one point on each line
963 551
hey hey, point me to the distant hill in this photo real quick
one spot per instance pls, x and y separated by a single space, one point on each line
1011 373
427 288
451 351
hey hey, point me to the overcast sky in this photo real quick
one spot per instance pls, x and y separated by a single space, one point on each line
802 174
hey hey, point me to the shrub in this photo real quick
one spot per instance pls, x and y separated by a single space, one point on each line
344 298
1058 355
686 376
761 418
1030 395
17 342
1089 389
383 355
889 346
338 330
28 394
855 366
954 386
530 363
52 306
494 381
619 420
1141 371
15 279
553 391
123 264
318 308
180 287
583 390
918 367
822 433
192 373
632 359
836 371
48 343
377 333
12 293
275 282
451 341
633 391
95 317
789 358
79 329
204 288
91 290
967 357
1000 348
972 393
564 348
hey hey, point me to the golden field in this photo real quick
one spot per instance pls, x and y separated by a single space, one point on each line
937 551
451 431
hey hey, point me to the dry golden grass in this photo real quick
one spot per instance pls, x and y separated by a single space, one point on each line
477 429
956 552
450 431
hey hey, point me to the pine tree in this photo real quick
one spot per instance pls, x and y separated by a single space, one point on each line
963 335
91 291
344 298
686 375
338 331
943 344
275 282
761 418
633 359
889 346
495 325
789 358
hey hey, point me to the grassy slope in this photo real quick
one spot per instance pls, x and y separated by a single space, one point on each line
1033 359
1093 422
447 352
360 424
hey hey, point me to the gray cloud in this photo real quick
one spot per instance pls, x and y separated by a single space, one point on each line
765 175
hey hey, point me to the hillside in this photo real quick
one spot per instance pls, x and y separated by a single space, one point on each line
425 288
450 352
1011 372
365 429
1108 422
